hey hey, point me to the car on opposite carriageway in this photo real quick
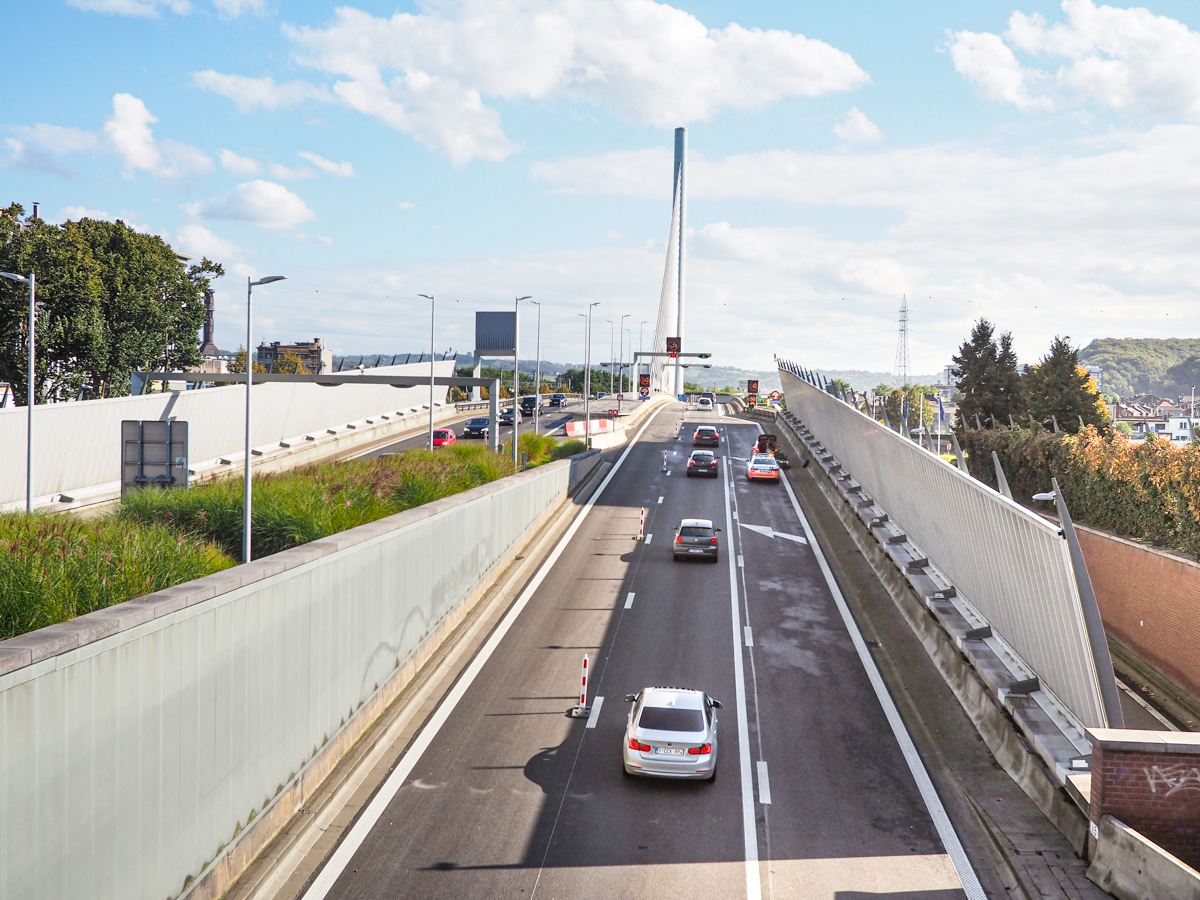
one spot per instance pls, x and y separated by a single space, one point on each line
478 427
671 733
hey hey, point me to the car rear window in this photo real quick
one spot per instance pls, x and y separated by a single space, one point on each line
695 531
707 431
671 719
702 457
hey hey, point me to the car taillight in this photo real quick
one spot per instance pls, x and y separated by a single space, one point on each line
691 462
634 745
702 750
713 541
679 539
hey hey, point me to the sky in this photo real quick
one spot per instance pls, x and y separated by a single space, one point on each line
1034 163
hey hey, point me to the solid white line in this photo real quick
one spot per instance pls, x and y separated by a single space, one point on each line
933 803
749 825
370 816
764 784
660 499
629 600
748 635
648 539
594 716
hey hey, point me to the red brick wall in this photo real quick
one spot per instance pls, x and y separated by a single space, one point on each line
1149 601
1155 794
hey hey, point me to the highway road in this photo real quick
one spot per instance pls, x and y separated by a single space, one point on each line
551 419
814 796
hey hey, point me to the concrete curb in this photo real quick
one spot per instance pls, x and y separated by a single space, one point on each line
1130 867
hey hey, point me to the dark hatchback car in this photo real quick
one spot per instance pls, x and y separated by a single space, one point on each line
506 417
476 428
558 400
528 405
695 538
703 462
706 436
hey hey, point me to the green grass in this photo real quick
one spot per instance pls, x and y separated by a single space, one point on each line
315 501
567 448
54 567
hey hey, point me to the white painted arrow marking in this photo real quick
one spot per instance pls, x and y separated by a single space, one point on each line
772 533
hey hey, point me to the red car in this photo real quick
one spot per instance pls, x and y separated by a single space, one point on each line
444 437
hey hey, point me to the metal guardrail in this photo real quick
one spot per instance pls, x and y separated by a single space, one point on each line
1011 564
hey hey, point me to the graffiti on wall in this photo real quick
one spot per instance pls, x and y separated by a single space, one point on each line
1173 779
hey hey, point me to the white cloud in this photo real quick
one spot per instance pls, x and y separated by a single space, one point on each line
1128 60
339 169
856 128
197 241
238 165
128 134
233 8
427 74
250 94
257 202
404 204
148 8
287 173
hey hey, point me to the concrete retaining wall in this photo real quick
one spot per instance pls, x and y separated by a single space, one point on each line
137 743
1130 867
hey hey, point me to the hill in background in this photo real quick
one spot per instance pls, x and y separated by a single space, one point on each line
862 380
1133 367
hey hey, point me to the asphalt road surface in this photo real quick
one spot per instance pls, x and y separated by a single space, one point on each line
514 798
550 420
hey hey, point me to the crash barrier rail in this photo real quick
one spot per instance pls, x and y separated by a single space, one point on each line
77 445
1003 563
142 745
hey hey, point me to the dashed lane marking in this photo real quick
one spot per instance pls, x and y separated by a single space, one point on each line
629 600
660 499
594 716
764 783
649 538
748 635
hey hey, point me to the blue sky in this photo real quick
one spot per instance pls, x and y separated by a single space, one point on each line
1032 162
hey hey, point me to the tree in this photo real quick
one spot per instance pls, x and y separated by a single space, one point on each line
111 300
987 379
838 387
289 364
920 411
239 363
1059 387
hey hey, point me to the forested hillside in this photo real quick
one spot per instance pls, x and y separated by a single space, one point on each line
1133 367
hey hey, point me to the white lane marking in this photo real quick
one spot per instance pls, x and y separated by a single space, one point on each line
668 473
748 635
749 826
629 600
370 816
741 561
648 539
594 716
772 533
764 784
660 499
937 812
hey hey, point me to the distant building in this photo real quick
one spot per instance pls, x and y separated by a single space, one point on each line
315 359
1097 374
1150 415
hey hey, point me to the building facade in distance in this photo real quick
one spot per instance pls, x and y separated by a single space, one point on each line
316 359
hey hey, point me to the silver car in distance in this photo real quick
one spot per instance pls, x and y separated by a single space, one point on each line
671 733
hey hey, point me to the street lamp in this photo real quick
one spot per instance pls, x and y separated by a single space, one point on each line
537 379
432 310
250 285
30 392
612 356
587 380
516 375
621 366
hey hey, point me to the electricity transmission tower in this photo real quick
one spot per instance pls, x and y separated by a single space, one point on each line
900 369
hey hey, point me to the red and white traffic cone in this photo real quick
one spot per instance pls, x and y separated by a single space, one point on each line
664 468
641 535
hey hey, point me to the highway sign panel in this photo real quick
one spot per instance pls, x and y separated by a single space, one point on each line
775 395
674 346
752 387
645 391
644 380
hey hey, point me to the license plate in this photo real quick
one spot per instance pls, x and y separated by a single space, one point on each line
668 751
695 551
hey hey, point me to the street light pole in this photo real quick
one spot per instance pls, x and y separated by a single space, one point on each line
587 381
432 312
250 285
516 375
621 366
537 378
30 391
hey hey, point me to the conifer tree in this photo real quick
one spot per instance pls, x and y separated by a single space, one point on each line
1059 387
988 382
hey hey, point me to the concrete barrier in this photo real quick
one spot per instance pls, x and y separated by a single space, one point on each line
1130 867
156 746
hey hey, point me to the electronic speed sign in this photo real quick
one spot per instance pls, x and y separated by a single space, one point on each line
752 387
644 381
674 347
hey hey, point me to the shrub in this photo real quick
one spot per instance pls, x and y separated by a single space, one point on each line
568 448
539 447
55 567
